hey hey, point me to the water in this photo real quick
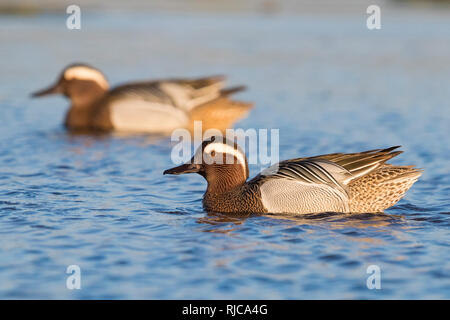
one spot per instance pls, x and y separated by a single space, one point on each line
325 81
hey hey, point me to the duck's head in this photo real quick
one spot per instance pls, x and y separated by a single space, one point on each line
221 162
79 82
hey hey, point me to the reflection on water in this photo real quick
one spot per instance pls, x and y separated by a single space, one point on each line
223 223
101 202
348 224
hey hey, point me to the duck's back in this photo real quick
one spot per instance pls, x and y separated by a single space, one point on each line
353 183
158 106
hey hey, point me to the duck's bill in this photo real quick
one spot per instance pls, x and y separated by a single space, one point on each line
184 168
44 92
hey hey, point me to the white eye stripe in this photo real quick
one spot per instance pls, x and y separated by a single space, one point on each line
227 149
84 73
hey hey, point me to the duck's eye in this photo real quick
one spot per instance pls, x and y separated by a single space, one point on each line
213 153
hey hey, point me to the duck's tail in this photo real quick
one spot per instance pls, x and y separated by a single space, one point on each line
220 113
381 188
229 91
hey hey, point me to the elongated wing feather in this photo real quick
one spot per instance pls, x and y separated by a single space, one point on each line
184 94
305 186
358 164
309 171
146 91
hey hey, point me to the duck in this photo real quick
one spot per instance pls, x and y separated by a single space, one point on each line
155 106
338 182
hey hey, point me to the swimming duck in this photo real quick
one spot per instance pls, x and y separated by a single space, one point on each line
158 106
339 182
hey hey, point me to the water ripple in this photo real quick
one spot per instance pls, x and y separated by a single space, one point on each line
101 201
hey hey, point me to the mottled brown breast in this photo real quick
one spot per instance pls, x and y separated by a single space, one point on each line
244 199
101 117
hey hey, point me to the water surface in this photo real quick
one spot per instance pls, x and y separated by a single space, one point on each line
326 82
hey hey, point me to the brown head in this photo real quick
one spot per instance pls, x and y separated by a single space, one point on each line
81 83
221 162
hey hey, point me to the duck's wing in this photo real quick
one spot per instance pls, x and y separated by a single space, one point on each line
200 85
149 91
191 93
360 163
319 183
303 186
162 105
184 94
309 171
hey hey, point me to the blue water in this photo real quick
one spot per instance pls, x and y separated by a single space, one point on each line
326 82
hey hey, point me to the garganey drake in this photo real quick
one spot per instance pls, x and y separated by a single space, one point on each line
340 182
158 106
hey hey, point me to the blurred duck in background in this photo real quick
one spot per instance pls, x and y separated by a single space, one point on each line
157 106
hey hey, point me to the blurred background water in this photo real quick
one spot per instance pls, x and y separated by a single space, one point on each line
314 71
